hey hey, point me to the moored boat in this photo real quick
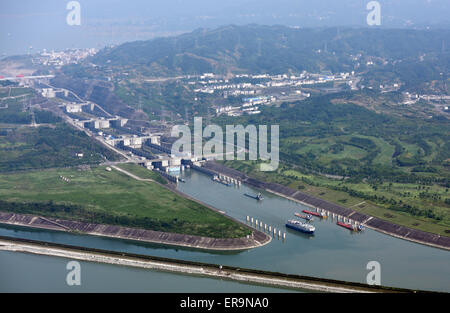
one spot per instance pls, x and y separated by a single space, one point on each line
300 226
257 197
321 215
305 217
350 226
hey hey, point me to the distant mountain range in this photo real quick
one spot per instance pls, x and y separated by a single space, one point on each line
281 49
42 24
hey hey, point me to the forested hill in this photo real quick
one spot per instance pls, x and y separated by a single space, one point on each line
279 49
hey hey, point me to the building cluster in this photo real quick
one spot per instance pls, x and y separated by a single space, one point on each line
132 141
101 122
53 92
74 107
261 89
412 98
265 88
249 106
256 83
48 92
60 58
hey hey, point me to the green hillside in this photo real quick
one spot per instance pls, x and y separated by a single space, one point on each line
277 49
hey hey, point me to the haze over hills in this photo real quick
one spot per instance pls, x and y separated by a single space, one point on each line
412 56
29 24
273 49
414 60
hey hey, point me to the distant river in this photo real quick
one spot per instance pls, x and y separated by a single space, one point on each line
333 252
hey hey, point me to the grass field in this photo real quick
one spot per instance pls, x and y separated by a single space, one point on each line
25 148
340 149
98 191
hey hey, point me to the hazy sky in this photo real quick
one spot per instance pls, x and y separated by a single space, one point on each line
42 24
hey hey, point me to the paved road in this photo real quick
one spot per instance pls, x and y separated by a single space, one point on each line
132 175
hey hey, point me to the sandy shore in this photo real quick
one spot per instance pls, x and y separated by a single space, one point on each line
206 270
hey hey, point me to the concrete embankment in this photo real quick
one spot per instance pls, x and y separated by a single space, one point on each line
189 267
374 223
256 239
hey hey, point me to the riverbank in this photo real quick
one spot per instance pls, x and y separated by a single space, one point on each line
189 267
374 223
114 205
256 239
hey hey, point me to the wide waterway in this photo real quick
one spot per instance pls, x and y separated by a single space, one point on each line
333 252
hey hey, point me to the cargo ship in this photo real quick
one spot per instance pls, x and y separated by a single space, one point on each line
305 217
300 226
321 215
257 197
221 181
350 226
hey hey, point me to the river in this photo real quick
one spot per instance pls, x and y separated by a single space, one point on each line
333 252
